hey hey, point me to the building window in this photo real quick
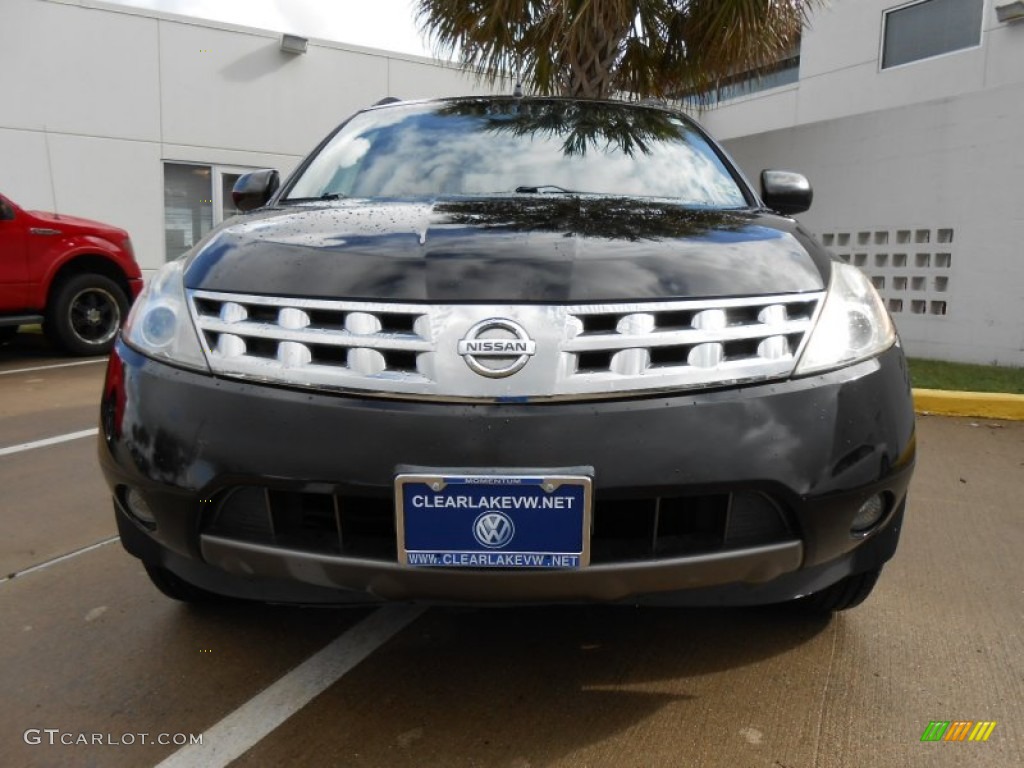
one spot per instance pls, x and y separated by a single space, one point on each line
196 199
785 71
930 28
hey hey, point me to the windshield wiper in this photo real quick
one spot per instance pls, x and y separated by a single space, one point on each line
327 196
543 189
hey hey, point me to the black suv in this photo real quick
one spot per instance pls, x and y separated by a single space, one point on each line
511 350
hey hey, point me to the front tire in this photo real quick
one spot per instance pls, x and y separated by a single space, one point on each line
841 596
85 314
176 588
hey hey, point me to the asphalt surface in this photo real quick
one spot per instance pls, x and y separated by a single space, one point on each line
90 649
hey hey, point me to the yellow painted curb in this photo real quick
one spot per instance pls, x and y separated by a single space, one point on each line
985 405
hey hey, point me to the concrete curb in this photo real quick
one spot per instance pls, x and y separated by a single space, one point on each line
986 405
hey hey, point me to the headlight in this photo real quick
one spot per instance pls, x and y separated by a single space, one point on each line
160 325
853 324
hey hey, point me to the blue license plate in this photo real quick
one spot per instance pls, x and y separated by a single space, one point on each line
493 521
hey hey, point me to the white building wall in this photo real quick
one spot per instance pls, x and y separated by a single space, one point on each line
917 172
98 96
840 72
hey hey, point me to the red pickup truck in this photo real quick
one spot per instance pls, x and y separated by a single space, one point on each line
75 276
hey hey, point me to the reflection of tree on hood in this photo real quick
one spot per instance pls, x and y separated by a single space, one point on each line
581 126
615 218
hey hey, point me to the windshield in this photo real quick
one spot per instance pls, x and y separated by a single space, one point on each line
487 147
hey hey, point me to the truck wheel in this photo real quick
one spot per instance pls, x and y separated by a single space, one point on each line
85 314
841 596
7 334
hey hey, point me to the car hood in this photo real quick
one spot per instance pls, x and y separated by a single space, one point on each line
69 224
527 248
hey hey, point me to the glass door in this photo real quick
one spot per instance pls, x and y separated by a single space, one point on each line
188 212
196 199
224 180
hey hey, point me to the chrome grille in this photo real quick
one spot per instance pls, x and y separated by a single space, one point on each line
316 343
582 351
701 342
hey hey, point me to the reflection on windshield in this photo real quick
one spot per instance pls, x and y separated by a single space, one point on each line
579 126
607 217
493 146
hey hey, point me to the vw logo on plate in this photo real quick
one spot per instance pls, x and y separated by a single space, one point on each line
493 529
497 347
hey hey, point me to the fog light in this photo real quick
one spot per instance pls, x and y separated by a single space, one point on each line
869 514
139 508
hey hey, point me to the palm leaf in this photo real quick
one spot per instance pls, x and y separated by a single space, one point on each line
596 48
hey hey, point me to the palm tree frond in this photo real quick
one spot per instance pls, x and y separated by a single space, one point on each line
595 48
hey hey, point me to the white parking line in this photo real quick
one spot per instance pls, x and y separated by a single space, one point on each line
58 559
49 441
93 361
249 724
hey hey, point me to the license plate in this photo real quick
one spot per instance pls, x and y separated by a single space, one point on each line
493 521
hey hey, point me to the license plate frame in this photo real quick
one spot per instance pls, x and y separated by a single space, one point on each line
461 510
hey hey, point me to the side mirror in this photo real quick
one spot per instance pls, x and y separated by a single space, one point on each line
252 190
786 192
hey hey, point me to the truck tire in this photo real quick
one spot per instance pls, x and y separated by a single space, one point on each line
85 313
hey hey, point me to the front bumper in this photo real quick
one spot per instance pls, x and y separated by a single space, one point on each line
817 446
